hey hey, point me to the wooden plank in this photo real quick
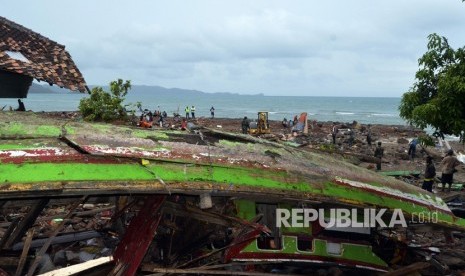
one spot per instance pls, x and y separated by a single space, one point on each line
26 223
8 261
27 245
58 228
214 272
408 269
12 226
74 269
65 238
79 214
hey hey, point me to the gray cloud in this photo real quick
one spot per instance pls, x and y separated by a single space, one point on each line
360 47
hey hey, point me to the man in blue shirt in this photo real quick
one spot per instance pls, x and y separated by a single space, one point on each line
412 148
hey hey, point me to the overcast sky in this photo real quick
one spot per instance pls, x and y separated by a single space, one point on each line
288 47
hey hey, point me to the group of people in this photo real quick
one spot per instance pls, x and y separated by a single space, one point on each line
147 117
448 163
448 167
190 112
290 123
351 132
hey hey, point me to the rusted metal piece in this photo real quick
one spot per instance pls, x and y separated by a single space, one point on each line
139 235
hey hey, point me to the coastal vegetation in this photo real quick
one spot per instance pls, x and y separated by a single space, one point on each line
106 106
437 98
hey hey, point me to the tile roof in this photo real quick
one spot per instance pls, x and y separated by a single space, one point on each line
42 58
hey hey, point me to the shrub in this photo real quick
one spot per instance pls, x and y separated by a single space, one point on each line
106 106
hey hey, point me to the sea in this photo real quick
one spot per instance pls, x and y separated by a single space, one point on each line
366 110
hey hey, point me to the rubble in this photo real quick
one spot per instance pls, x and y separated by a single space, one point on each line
125 228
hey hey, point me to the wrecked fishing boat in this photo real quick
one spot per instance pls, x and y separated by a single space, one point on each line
202 202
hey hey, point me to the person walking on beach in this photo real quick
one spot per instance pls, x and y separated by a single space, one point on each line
412 148
448 169
193 112
212 112
430 173
379 153
187 110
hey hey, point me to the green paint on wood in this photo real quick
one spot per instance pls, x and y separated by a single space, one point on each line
400 173
48 131
245 209
13 129
228 177
353 252
45 172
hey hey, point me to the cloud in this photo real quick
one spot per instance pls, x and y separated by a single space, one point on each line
264 46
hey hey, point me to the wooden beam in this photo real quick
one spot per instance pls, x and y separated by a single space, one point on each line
8 261
74 269
78 214
214 272
25 223
27 245
12 226
408 269
58 228
65 238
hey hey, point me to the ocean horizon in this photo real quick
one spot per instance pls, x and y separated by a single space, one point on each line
366 110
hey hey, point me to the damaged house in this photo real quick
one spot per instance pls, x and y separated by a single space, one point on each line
26 55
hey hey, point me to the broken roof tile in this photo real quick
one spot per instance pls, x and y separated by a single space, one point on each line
49 61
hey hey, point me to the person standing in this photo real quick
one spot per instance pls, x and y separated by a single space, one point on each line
412 148
351 137
284 123
245 125
212 112
430 173
369 136
193 112
379 153
448 169
334 133
187 110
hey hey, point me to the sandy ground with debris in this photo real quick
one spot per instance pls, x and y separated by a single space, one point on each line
395 140
95 217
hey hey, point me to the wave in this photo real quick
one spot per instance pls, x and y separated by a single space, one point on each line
384 115
345 113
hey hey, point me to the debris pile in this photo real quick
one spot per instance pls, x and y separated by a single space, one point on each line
124 201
